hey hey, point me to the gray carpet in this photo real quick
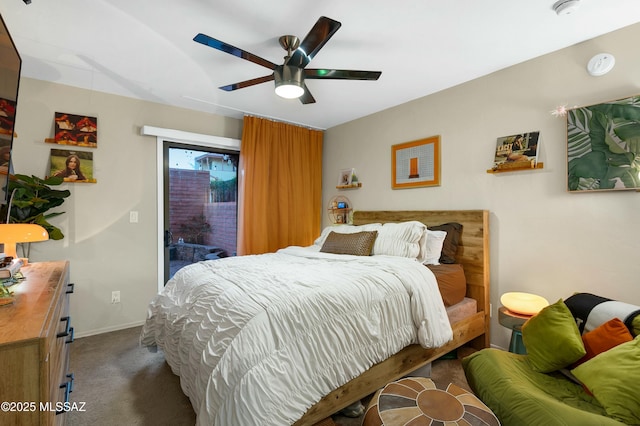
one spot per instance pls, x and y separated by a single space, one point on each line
125 384
122 383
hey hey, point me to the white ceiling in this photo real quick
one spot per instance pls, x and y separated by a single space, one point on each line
144 48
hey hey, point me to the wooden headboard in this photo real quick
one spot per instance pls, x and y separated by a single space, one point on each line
473 250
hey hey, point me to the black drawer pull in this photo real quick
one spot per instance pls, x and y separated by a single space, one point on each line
70 288
65 333
68 388
70 339
73 378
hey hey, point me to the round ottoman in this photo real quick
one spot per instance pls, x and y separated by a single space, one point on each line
415 401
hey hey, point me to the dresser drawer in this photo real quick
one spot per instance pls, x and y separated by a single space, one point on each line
34 345
60 380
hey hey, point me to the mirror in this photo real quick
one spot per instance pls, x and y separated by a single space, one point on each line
10 64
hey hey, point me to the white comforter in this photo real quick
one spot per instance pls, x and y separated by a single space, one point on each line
257 340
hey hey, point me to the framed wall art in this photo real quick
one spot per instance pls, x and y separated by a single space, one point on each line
78 130
416 163
346 177
603 146
522 147
72 166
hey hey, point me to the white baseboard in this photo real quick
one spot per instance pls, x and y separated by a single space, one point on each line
108 329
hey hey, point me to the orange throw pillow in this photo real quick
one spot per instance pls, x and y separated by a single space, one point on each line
601 339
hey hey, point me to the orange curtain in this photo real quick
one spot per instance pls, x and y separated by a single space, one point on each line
280 186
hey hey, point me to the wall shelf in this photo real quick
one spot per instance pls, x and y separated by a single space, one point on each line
339 210
351 186
514 167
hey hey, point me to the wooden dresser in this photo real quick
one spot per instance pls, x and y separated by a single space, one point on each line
35 332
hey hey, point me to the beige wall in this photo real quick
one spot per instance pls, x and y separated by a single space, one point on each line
543 239
107 252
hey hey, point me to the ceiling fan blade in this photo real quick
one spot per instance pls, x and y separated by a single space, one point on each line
341 74
321 32
232 50
247 83
307 97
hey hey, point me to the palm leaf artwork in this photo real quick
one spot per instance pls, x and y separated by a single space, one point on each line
603 146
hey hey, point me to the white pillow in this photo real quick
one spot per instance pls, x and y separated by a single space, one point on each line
345 229
422 256
435 241
401 239
404 239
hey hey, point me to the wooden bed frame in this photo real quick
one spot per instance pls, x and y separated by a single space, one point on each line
473 254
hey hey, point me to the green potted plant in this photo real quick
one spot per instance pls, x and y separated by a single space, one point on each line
31 198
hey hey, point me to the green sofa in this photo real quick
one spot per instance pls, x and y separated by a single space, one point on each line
520 394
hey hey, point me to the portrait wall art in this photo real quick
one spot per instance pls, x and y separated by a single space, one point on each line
72 166
603 146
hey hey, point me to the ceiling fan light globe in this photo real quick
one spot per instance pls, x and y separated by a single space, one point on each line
289 91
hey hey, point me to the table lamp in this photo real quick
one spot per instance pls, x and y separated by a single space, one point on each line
523 303
13 233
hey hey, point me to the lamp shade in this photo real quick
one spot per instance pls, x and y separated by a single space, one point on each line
523 303
13 233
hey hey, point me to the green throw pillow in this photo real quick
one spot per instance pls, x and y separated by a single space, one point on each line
552 339
635 325
613 377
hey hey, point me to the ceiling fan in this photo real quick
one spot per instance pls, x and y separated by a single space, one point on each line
290 76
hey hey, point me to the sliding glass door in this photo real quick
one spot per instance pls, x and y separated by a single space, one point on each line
200 197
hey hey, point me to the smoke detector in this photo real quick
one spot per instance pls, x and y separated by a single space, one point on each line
601 64
565 7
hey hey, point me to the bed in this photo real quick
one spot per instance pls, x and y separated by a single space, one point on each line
300 366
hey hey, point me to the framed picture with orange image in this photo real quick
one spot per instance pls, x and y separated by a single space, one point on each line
416 163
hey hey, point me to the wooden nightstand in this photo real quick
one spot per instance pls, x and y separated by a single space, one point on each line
35 333
514 322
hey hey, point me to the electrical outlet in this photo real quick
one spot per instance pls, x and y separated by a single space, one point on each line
115 297
490 310
133 216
